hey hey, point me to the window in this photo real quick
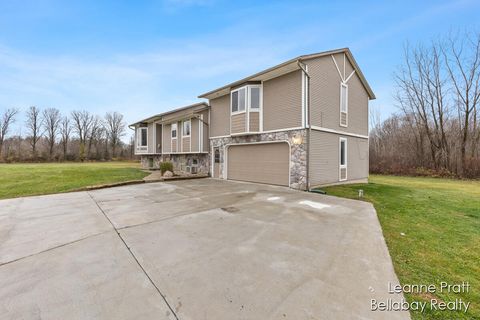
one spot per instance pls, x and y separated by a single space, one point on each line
343 159
142 137
217 156
238 100
343 152
343 105
186 128
254 98
174 130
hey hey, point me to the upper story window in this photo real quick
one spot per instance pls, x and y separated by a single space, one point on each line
343 104
254 97
238 100
247 97
186 128
174 130
142 134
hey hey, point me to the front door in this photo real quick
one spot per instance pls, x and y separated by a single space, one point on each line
216 163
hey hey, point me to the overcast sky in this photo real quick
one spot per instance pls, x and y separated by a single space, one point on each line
145 57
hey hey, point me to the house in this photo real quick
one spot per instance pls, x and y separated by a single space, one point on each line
302 123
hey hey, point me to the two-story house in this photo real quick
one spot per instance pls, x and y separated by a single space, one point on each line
302 123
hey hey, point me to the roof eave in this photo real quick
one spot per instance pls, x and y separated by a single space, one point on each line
160 115
226 88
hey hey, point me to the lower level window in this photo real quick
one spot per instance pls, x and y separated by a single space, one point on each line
343 159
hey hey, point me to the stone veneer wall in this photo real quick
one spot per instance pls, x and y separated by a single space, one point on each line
178 160
298 152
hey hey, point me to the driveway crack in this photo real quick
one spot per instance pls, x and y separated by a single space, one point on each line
53 248
134 257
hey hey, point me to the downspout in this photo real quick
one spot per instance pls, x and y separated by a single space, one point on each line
309 127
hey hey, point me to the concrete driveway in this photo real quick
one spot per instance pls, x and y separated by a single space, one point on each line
197 249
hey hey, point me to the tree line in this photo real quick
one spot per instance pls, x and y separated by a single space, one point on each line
437 128
51 136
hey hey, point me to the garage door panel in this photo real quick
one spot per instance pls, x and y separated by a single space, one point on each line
263 163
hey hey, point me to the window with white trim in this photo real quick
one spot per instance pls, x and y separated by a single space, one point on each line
238 100
343 159
254 94
186 128
142 137
174 130
343 104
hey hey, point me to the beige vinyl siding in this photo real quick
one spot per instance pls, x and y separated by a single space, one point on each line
357 158
175 143
263 163
186 144
184 113
150 143
167 145
195 135
158 140
220 116
238 123
179 135
254 122
325 96
282 102
324 158
206 129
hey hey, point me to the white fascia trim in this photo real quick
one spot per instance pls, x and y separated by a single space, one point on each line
351 74
304 98
339 132
203 152
218 137
154 137
338 69
200 133
258 132
260 117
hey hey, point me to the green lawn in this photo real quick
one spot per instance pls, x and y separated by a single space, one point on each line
441 222
18 180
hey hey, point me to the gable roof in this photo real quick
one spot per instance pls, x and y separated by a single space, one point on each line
160 115
289 66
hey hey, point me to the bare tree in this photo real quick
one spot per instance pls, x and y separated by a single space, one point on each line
34 126
82 122
51 121
95 133
65 130
6 120
462 59
115 129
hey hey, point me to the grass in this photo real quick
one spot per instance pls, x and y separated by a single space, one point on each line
440 220
17 180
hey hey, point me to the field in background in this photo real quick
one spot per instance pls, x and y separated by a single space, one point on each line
18 180
432 229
